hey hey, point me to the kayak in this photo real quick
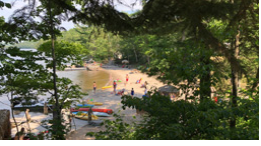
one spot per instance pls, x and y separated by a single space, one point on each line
85 117
105 87
101 114
108 111
98 114
119 80
95 103
85 105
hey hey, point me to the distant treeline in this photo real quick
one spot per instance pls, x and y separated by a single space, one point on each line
27 44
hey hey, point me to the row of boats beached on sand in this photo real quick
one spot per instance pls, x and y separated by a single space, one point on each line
79 111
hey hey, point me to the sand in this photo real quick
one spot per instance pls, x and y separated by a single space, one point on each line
112 101
109 100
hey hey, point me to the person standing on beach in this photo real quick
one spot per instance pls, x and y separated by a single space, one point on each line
145 91
114 86
132 92
94 87
127 79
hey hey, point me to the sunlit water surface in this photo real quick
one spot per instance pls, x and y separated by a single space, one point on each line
83 78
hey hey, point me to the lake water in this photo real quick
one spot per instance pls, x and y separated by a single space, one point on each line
83 78
86 78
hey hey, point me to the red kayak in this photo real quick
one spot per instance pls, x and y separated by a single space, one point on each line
108 111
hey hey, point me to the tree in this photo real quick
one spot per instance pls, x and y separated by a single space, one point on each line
181 120
53 16
65 52
21 76
189 18
179 15
15 74
100 44
27 28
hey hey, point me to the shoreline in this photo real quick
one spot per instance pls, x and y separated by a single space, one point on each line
109 100
112 101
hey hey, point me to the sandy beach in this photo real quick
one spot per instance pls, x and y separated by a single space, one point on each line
106 96
112 101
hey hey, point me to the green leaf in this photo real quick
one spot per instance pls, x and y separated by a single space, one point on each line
8 5
2 4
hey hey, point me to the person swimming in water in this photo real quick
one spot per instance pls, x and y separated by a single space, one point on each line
94 87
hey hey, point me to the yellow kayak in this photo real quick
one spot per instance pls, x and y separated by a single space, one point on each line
95 103
106 87
84 116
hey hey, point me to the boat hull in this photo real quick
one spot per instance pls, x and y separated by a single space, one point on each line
32 108
95 103
98 114
81 105
108 111
85 117
105 87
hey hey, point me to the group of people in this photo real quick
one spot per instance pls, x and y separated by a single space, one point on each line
123 90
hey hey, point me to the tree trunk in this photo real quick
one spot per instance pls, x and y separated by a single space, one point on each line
148 59
256 81
218 46
12 111
135 54
54 82
56 109
205 83
57 112
234 80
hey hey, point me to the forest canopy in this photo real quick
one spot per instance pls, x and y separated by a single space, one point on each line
207 49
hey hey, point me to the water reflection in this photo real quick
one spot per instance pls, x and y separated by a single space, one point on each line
86 78
83 78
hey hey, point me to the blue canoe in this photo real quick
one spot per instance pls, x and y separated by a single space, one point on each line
82 105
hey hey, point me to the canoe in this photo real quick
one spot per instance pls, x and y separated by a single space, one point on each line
85 117
101 114
95 103
108 111
98 114
85 105
105 87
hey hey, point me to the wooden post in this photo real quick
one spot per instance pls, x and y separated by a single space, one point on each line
45 108
90 115
28 119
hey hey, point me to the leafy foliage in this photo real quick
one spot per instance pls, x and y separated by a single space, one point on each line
192 33
100 44
20 74
182 120
65 52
